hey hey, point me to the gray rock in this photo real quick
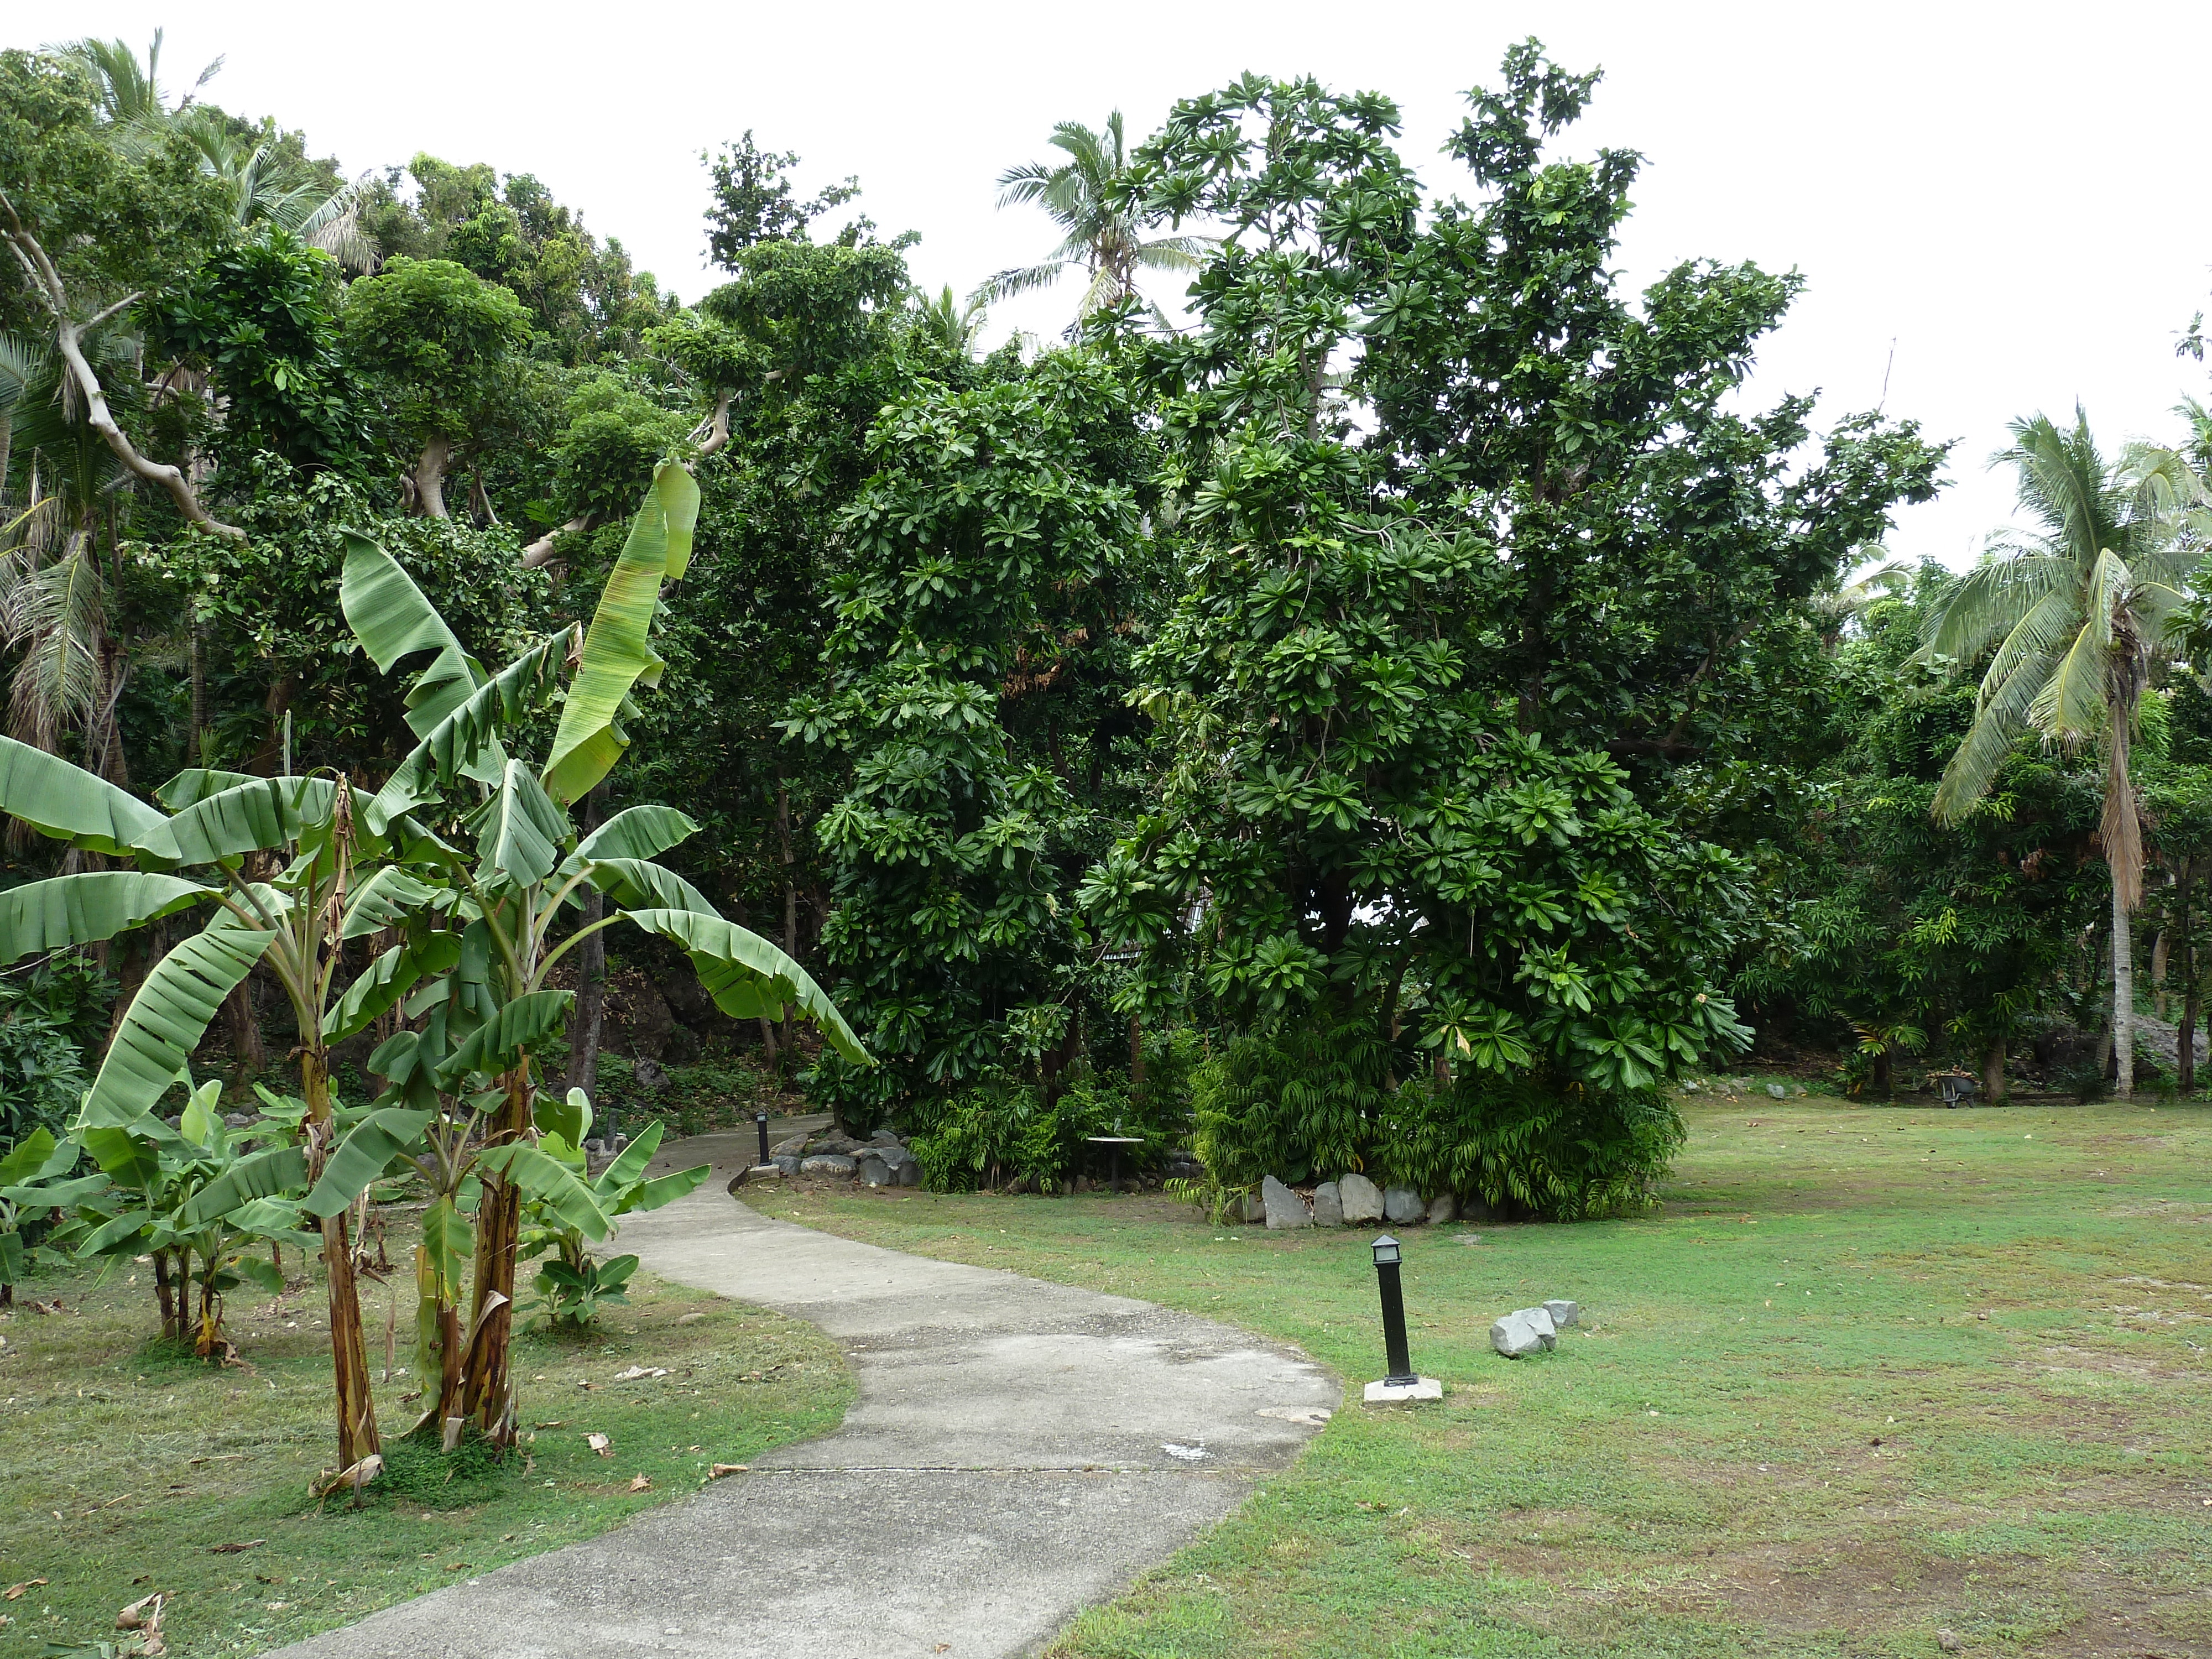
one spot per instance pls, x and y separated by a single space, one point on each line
793 1147
908 1174
1564 1313
1442 1208
787 1162
1361 1198
1523 1331
826 1164
1254 1209
236 1119
895 1157
1473 1209
1778 1091
758 1174
833 1144
1402 1206
886 1138
873 1172
1284 1207
1329 1208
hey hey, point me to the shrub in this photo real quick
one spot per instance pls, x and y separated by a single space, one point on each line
716 1094
52 1020
1531 1143
1301 1098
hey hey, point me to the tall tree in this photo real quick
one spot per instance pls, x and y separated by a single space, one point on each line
1103 235
2077 610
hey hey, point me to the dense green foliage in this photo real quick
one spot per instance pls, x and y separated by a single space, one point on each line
1409 718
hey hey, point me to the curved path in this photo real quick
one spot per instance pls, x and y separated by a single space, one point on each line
1018 1452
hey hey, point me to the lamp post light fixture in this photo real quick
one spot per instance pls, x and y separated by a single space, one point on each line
760 1122
1403 1383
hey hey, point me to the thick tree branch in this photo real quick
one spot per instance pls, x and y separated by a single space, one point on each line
540 552
712 432
68 335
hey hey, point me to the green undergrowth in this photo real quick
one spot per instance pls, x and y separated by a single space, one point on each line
126 1464
1866 1374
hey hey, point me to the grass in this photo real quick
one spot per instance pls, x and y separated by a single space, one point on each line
124 1465
1866 1375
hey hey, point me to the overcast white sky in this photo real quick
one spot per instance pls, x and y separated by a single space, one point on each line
2012 194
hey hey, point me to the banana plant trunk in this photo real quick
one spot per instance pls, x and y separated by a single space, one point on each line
356 1407
488 1395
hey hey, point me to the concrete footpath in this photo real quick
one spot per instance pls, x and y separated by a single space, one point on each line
1019 1450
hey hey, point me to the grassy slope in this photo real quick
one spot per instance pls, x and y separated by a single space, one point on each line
151 1459
1790 1429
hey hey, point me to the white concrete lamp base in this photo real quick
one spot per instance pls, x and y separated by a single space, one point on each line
1421 1387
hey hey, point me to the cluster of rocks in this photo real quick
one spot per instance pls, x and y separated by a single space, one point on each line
1350 1201
1733 1086
1532 1330
884 1159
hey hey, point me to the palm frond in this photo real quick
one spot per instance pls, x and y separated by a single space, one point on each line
1007 284
59 683
1998 725
1991 599
2074 704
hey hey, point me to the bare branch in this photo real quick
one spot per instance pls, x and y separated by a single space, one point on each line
67 334
540 552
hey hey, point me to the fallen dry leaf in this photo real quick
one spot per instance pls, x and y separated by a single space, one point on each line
555 1424
721 1469
636 1372
238 1549
640 1483
600 1444
144 1613
15 1591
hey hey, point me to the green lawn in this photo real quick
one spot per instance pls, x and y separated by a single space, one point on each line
124 1465
1869 1374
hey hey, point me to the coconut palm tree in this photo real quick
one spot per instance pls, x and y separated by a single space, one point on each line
2077 609
1101 238
129 93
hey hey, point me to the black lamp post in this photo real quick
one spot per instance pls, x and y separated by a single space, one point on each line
760 1122
1393 1312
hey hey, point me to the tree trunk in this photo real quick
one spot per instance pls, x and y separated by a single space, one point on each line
1136 1055
356 1407
173 1326
193 754
2158 952
2191 992
790 890
430 476
1993 1076
584 1026
488 1392
2123 998
245 1044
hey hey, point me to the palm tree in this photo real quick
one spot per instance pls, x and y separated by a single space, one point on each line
948 321
1101 238
2076 610
128 92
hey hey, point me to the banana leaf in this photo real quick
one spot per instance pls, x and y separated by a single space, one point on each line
463 742
255 817
637 832
638 885
265 1174
168 1018
385 900
363 1156
37 1157
667 1189
196 783
746 975
117 1230
500 1040
618 651
552 1183
56 1194
386 980
88 906
125 1158
519 831
391 619
70 804
629 1164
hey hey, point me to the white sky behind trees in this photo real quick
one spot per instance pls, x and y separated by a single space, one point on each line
2013 194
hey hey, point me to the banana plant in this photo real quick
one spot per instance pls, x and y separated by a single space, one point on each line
470 976
26 1198
571 1287
198 1199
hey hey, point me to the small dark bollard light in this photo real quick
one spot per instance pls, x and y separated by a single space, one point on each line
760 1122
1403 1383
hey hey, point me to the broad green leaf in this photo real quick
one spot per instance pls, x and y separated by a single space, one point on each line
56 1194
519 831
385 900
637 832
196 783
638 884
70 804
262 1271
124 1158
255 817
200 1122
386 980
391 619
272 1218
271 1174
86 907
363 1156
463 742
11 1259
552 1183
667 1189
166 1020
448 1242
500 1040
569 1118
26 1159
631 1164
745 975
117 1230
618 651
614 1273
